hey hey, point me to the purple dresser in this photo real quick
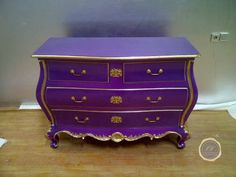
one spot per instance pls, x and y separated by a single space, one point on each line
117 88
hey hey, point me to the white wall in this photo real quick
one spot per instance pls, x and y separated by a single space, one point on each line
24 25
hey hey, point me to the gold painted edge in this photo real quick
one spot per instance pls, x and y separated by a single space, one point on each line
190 95
93 62
113 138
43 88
131 89
118 58
154 81
135 111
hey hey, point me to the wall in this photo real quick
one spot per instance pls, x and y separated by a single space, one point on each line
25 25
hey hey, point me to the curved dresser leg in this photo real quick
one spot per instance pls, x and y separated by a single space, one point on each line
53 137
181 139
54 141
180 143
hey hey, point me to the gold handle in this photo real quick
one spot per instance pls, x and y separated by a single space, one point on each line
83 72
160 71
83 99
81 121
152 121
153 101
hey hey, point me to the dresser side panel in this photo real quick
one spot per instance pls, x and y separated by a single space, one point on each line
193 93
40 91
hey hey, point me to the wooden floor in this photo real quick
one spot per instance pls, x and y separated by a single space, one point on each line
27 152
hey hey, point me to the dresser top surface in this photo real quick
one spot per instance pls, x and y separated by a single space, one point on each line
117 48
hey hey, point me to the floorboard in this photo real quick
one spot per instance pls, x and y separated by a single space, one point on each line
27 152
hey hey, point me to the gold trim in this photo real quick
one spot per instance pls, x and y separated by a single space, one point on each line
118 136
116 100
115 58
184 90
115 72
73 61
116 119
190 95
136 111
125 82
43 88
135 89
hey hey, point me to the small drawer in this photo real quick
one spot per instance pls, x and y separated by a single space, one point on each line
77 71
65 97
154 72
117 119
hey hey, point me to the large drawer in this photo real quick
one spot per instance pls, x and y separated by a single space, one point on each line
154 71
161 98
116 119
78 71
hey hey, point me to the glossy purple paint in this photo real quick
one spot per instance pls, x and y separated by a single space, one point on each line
117 46
167 119
135 99
176 86
136 72
60 71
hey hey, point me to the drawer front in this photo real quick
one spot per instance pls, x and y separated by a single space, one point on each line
154 72
131 119
78 71
175 98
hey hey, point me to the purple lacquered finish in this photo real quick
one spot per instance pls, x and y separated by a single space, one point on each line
171 71
172 93
98 119
117 47
131 99
61 71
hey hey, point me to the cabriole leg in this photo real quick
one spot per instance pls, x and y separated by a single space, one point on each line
53 137
54 142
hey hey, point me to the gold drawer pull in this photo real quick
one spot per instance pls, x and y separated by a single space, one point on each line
83 99
83 72
154 101
116 119
160 71
152 121
81 121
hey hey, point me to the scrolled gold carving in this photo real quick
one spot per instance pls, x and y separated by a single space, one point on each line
116 100
116 119
118 136
116 72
